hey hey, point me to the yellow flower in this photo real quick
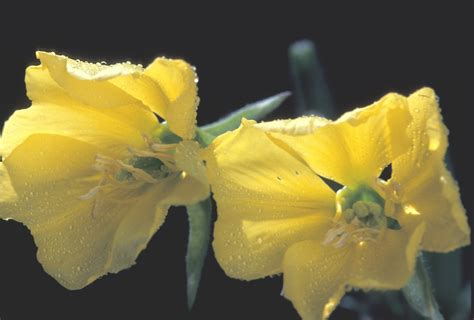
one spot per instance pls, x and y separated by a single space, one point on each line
276 214
89 169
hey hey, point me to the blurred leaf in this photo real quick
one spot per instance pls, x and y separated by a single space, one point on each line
254 111
311 90
419 294
463 305
395 302
199 217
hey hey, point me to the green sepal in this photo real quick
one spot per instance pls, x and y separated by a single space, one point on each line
200 218
254 111
165 135
419 293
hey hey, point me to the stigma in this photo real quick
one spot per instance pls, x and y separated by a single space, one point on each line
360 218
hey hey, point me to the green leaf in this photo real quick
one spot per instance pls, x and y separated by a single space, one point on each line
199 217
311 90
419 294
254 111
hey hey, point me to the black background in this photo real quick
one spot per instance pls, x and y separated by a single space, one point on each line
241 56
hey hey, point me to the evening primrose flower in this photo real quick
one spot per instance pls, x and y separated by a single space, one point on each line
90 170
277 213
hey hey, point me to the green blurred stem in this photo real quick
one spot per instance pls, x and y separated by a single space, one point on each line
310 87
446 273
199 217
419 293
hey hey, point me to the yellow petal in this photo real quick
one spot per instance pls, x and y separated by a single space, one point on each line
427 188
314 277
178 81
191 185
268 184
435 199
113 130
253 249
168 87
7 193
257 192
427 134
78 240
387 263
188 159
43 159
82 81
354 149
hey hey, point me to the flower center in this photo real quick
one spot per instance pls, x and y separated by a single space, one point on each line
145 166
360 217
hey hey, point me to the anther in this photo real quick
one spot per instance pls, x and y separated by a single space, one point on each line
361 210
348 215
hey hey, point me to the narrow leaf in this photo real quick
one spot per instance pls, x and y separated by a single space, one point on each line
419 293
199 217
311 90
203 137
254 111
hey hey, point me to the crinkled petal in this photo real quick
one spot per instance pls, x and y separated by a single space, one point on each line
295 127
314 277
82 81
435 199
428 136
354 149
253 249
113 130
178 81
168 87
78 239
427 189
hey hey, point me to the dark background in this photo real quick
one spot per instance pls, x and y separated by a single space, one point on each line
241 56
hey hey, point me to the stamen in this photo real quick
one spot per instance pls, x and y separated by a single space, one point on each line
91 193
133 172
166 158
163 147
138 174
